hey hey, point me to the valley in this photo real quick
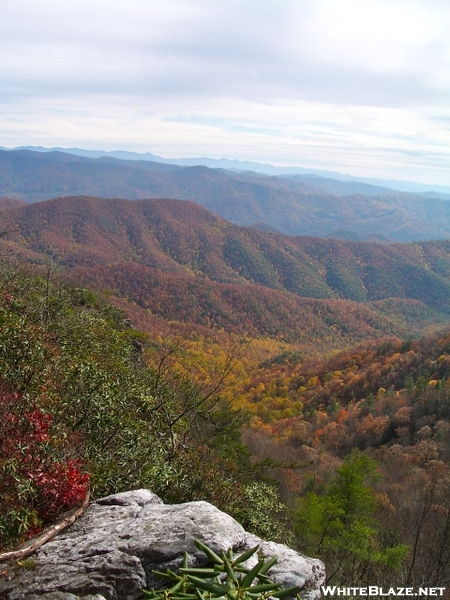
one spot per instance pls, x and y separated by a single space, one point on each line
279 372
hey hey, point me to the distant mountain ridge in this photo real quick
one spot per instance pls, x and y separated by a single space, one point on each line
223 163
286 204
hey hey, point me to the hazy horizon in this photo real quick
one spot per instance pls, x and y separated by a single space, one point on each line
359 87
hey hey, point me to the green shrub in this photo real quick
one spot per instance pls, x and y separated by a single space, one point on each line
227 578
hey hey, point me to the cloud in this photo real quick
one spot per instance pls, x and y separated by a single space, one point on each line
354 83
347 51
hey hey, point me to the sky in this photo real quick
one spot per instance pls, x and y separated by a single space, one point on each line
356 86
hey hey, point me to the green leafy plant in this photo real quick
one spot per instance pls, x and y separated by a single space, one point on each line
228 578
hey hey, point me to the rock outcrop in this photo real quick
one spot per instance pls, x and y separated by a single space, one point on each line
110 552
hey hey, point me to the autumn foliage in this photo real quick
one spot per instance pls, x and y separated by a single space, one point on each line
86 401
37 481
334 396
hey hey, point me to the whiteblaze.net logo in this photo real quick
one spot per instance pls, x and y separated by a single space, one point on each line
375 590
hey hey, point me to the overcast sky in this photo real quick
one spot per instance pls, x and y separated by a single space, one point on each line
357 86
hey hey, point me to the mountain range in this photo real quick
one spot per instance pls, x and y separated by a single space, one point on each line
239 165
176 260
293 205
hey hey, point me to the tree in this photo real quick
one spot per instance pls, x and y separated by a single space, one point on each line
338 525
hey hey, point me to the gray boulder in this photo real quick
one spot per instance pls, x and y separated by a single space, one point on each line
109 553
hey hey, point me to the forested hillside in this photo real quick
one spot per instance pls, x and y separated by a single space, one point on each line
86 402
293 206
231 375
179 261
358 442
383 407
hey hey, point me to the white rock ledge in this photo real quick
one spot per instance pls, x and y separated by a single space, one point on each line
110 552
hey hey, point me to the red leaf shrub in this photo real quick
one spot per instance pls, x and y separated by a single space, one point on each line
37 480
59 487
